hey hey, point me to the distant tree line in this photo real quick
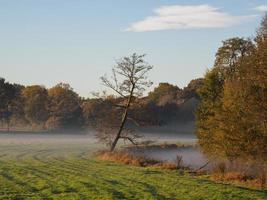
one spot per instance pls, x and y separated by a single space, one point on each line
160 106
232 115
38 108
115 117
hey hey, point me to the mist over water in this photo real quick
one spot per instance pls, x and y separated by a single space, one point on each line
191 156
171 133
86 142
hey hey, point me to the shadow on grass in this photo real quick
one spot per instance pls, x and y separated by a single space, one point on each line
153 191
20 183
152 172
210 182
117 194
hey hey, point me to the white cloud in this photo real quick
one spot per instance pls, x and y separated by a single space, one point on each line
262 8
185 17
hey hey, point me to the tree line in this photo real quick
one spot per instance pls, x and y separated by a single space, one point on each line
232 115
128 108
35 107
39 108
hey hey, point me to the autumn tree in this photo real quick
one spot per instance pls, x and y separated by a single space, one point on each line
35 104
231 119
164 93
245 104
128 81
209 112
232 51
206 121
95 109
64 108
191 90
7 96
16 107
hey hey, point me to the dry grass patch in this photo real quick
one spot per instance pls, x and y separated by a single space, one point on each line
129 159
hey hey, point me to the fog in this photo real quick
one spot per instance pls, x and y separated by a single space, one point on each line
47 145
192 157
47 138
86 142
171 133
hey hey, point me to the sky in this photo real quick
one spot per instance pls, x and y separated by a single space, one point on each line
46 42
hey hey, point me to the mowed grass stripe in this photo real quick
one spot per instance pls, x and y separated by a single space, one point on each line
32 172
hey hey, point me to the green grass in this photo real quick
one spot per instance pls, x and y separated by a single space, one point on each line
71 172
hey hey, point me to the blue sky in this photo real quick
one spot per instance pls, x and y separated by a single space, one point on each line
76 41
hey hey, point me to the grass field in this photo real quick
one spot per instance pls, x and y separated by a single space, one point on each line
52 171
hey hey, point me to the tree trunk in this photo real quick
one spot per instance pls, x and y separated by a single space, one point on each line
124 118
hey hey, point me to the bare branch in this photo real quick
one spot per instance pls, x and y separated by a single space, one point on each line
108 84
129 138
128 80
134 121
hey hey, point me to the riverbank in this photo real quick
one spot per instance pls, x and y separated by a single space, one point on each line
188 159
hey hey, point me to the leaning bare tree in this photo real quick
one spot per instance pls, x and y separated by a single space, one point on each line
128 81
